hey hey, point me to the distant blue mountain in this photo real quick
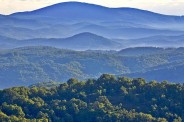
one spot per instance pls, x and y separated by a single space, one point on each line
81 41
127 27
155 41
90 41
84 11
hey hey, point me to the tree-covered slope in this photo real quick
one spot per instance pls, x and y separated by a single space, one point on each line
29 65
171 72
37 64
107 99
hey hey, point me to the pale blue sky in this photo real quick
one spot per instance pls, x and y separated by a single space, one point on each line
174 7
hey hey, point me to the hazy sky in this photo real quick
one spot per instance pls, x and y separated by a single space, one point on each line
174 7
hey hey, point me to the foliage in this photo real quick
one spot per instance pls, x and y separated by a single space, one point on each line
108 99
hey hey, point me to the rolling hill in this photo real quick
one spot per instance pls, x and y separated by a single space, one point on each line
29 65
90 41
81 41
172 73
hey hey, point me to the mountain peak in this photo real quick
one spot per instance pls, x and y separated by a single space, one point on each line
87 36
64 8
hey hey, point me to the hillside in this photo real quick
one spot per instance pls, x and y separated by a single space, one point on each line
171 72
30 65
137 51
105 99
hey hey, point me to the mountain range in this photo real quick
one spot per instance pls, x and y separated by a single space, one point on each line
120 27
81 40
90 41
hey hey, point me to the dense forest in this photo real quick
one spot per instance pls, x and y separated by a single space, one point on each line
29 65
108 98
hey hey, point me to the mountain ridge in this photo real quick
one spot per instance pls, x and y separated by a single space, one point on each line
68 10
80 41
90 4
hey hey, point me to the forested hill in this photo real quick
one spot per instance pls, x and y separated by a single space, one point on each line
107 99
29 65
